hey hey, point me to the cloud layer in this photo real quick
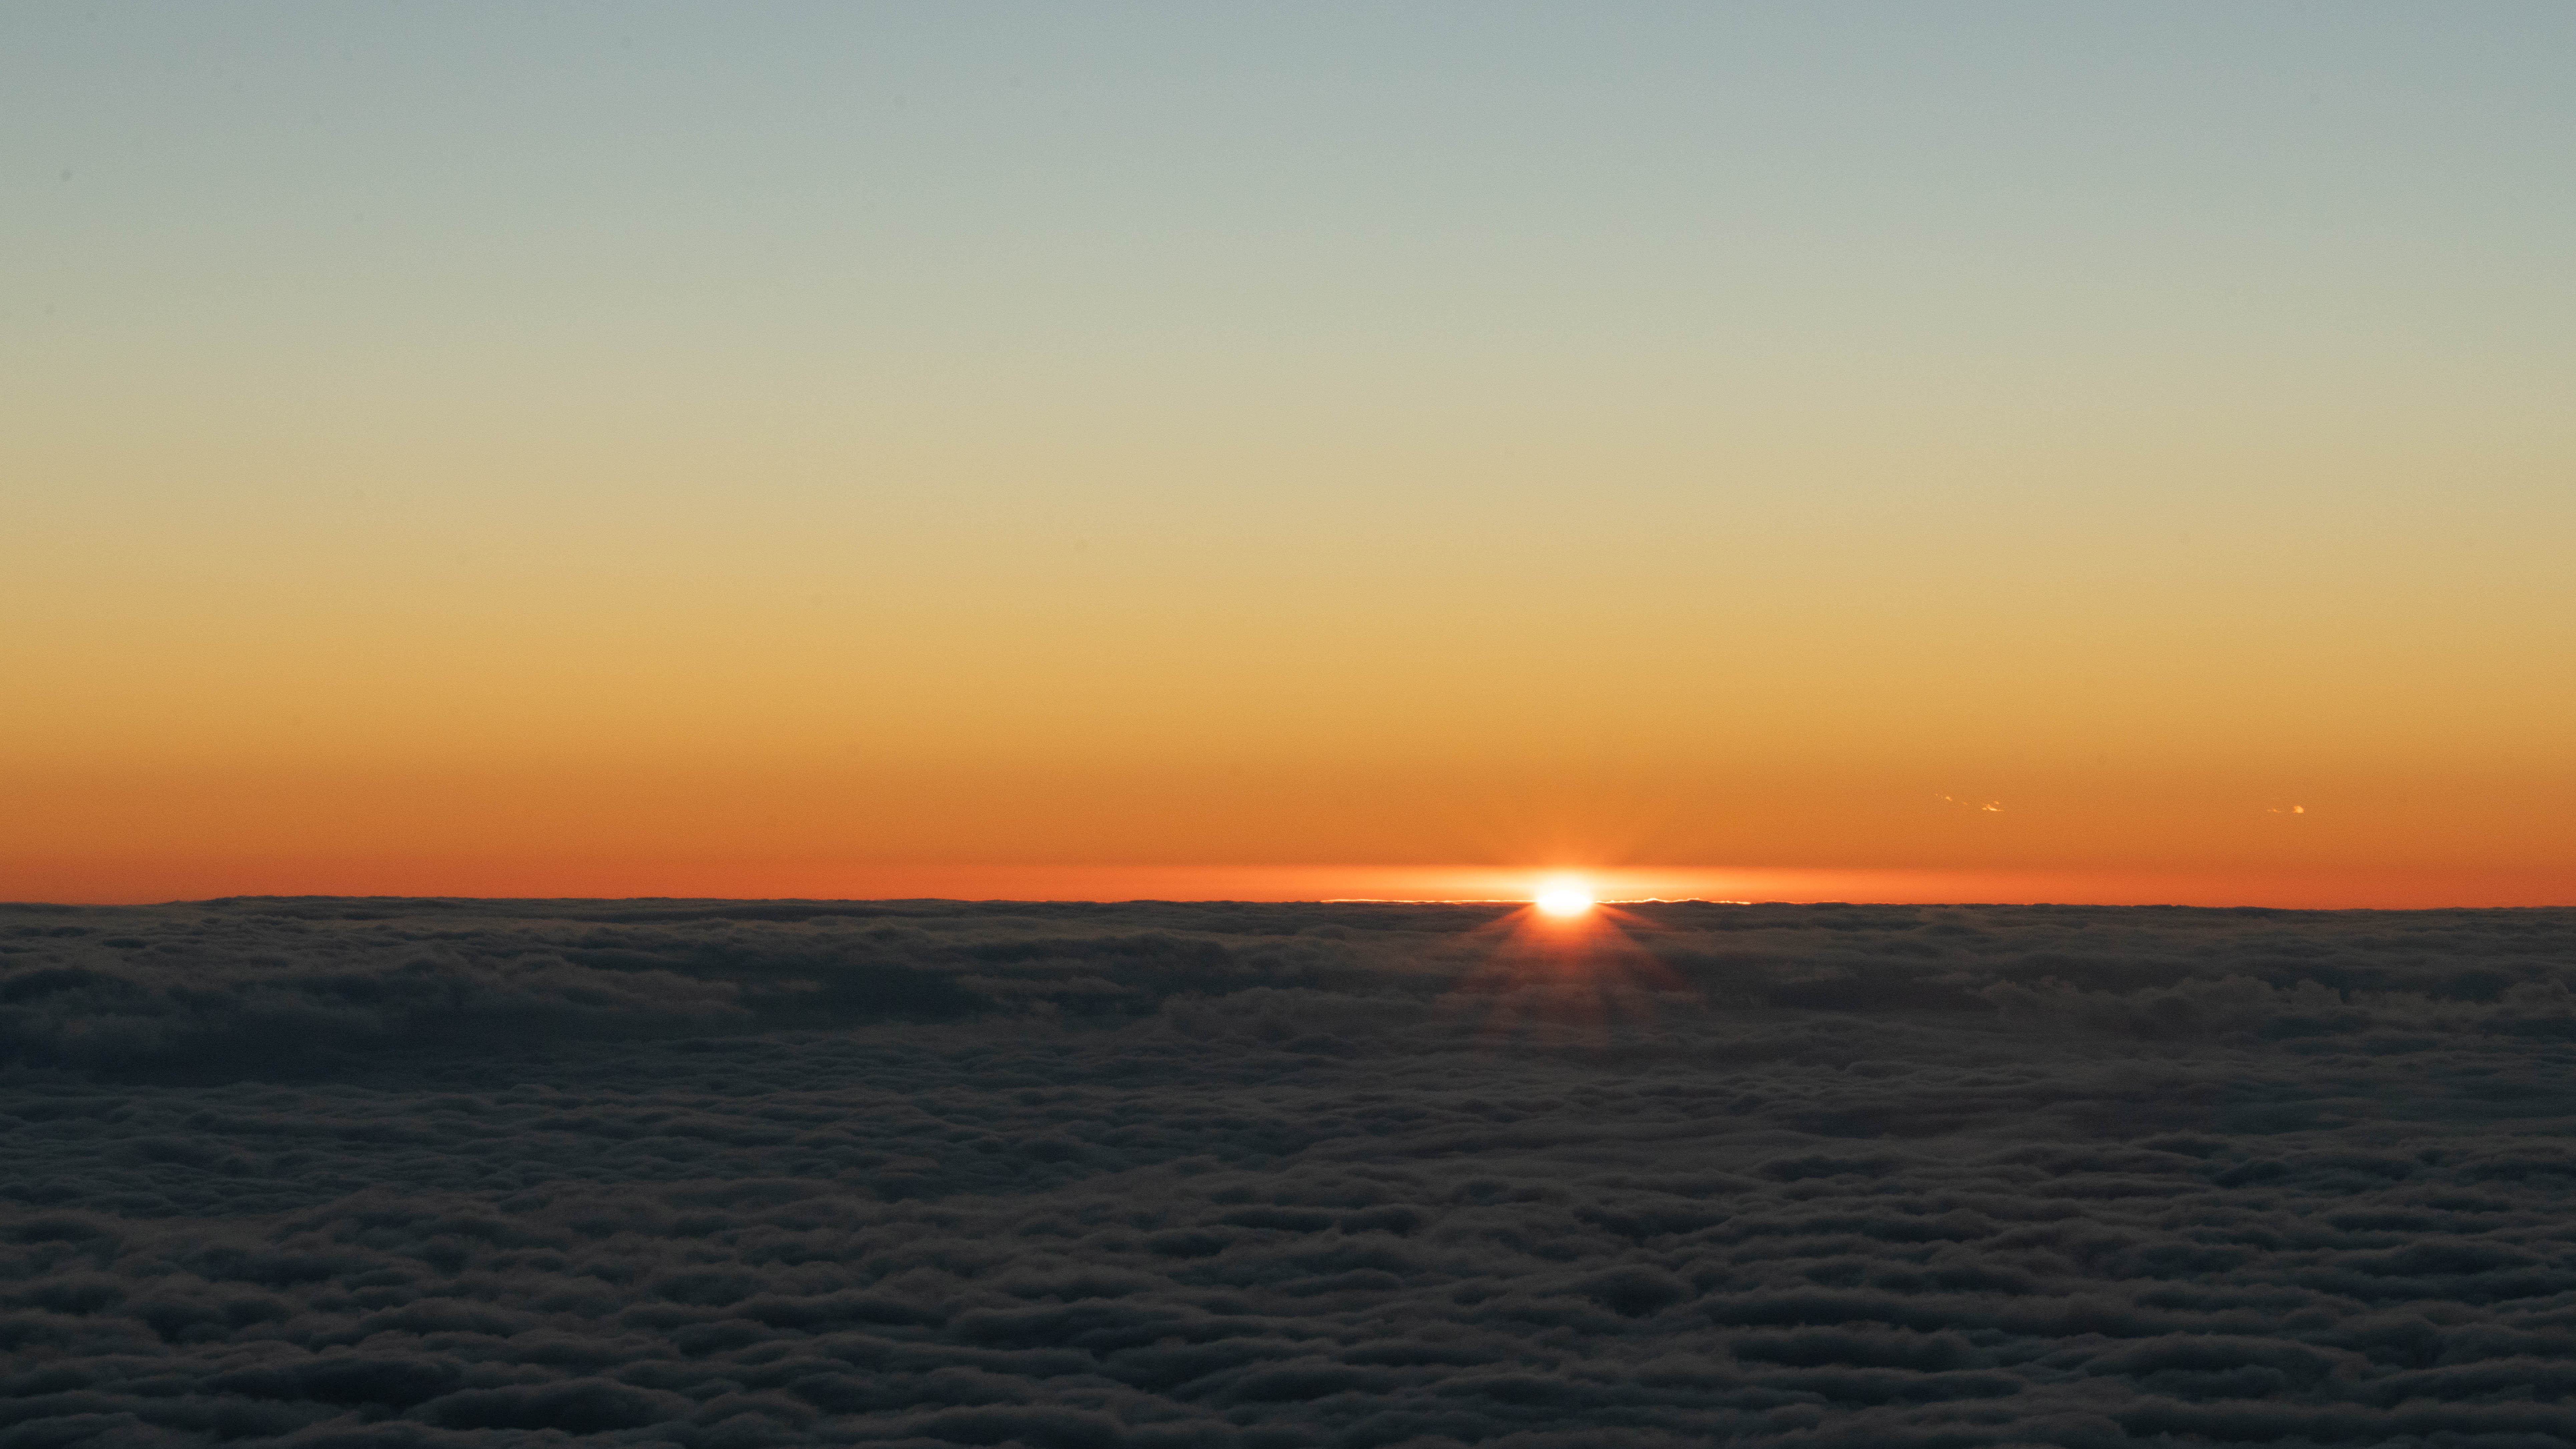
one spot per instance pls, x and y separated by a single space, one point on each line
390 1172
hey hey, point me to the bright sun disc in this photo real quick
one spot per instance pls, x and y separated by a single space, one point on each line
1565 900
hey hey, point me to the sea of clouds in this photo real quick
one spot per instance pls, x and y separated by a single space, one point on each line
341 1172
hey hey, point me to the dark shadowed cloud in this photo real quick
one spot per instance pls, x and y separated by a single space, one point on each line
720 1174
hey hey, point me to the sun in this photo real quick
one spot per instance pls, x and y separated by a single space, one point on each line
1565 899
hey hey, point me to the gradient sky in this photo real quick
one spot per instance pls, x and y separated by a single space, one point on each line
757 450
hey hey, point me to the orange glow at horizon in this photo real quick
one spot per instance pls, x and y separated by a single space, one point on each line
92 830
118 880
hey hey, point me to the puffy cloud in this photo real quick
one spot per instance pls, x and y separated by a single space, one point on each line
430 1173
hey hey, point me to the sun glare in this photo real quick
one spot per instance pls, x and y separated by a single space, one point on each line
1564 899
